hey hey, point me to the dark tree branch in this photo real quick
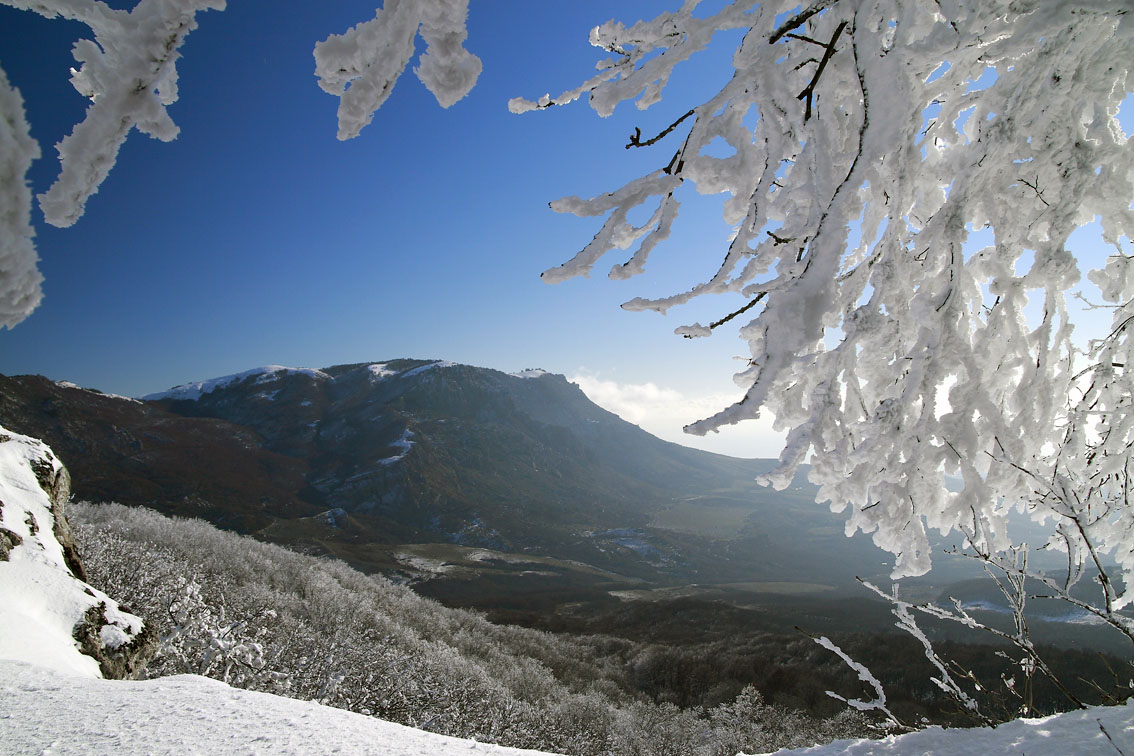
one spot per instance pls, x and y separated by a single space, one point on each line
732 315
636 137
809 91
676 164
800 19
1034 186
805 38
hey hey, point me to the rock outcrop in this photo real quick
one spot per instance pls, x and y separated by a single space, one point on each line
49 615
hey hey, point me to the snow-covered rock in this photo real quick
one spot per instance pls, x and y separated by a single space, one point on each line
48 615
530 373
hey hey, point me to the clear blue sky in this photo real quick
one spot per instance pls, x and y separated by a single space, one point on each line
258 238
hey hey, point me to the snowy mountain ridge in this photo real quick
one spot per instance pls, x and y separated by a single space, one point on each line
430 452
196 389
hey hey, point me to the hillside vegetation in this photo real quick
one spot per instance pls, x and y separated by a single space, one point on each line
260 617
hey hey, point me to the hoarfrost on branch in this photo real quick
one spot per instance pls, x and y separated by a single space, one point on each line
870 139
129 74
362 65
20 280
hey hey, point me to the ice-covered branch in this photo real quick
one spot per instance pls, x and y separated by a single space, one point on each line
129 74
906 622
362 65
869 141
864 674
20 279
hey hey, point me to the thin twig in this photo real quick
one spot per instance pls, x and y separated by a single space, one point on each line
732 315
636 137
809 91
800 19
1108 737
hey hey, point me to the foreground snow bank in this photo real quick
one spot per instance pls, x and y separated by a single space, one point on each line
43 709
1101 731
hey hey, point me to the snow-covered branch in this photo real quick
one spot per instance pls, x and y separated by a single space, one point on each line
870 141
20 279
129 73
362 65
878 703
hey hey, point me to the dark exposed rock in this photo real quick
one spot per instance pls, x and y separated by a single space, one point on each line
8 541
57 484
116 661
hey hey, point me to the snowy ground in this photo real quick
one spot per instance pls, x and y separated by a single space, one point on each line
45 711
1101 731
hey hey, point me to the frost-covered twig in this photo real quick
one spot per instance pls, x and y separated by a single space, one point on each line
879 702
907 623
362 65
129 73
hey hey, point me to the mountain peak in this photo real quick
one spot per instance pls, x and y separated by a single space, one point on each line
264 374
378 371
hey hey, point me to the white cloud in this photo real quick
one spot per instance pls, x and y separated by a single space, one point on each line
664 411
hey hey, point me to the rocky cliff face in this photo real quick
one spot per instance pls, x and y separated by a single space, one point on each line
48 614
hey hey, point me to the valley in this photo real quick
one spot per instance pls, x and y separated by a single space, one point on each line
513 495
453 478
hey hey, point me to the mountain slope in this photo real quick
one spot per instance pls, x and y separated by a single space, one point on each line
475 479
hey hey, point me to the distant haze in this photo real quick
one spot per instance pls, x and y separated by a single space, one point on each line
664 411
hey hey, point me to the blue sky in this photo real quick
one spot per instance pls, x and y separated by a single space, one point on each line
258 238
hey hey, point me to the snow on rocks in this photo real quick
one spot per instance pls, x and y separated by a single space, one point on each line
430 366
197 389
76 387
405 443
529 373
48 615
379 370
